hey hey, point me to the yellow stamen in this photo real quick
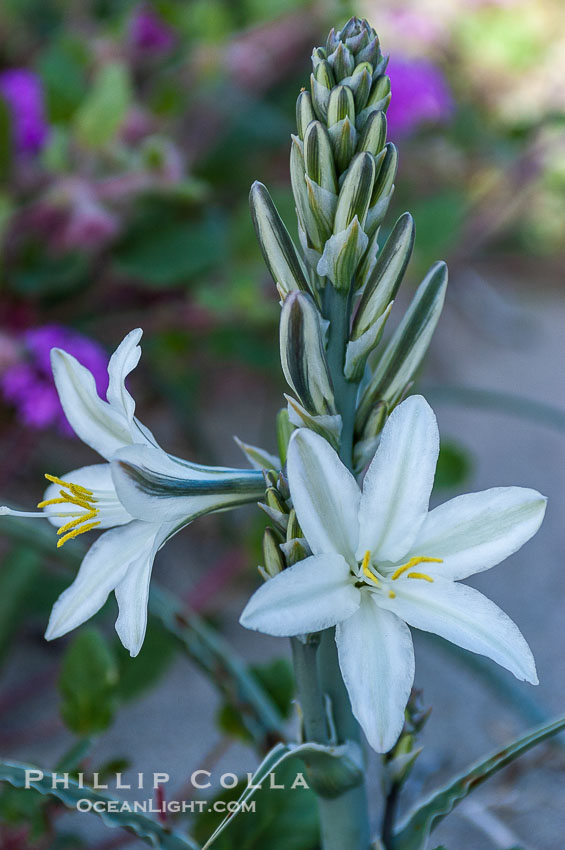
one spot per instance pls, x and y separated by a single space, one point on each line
75 532
413 562
365 567
77 490
80 497
55 480
391 594
82 518
420 575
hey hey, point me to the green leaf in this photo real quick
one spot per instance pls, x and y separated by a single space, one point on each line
18 573
143 672
413 834
284 818
88 684
217 659
39 273
63 72
101 114
339 767
162 251
277 681
454 465
144 827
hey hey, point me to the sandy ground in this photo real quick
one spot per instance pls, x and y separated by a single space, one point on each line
172 728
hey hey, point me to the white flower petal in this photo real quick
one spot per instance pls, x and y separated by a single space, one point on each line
103 567
154 487
474 532
97 477
376 658
99 425
123 361
324 494
398 483
465 617
132 594
310 596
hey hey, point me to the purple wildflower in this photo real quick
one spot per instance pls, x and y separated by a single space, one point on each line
420 95
148 31
29 385
22 91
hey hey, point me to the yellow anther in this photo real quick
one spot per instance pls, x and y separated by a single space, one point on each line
391 594
77 490
73 495
55 480
81 518
420 575
365 567
48 502
75 532
413 562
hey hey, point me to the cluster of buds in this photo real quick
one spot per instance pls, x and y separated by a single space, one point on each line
337 286
283 541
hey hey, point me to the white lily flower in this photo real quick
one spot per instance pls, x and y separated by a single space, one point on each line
141 495
382 563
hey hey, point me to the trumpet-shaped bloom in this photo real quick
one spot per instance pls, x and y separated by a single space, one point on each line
140 497
381 562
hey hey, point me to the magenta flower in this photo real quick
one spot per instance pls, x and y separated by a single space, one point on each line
148 31
22 91
420 95
28 384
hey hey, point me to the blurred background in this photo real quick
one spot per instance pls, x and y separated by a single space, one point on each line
130 134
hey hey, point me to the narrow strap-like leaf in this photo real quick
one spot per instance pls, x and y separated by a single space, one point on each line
149 830
414 832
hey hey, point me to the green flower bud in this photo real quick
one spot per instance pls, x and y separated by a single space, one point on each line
272 556
304 112
303 355
293 529
342 254
386 277
404 352
356 192
281 256
341 105
373 137
274 500
343 137
284 432
322 82
342 61
318 157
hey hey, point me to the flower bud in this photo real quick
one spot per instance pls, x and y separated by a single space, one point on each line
342 61
341 105
373 137
342 254
282 258
318 157
293 529
404 352
386 277
322 82
304 112
343 136
272 556
356 192
284 432
303 354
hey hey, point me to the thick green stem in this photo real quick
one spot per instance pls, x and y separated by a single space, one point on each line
344 820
